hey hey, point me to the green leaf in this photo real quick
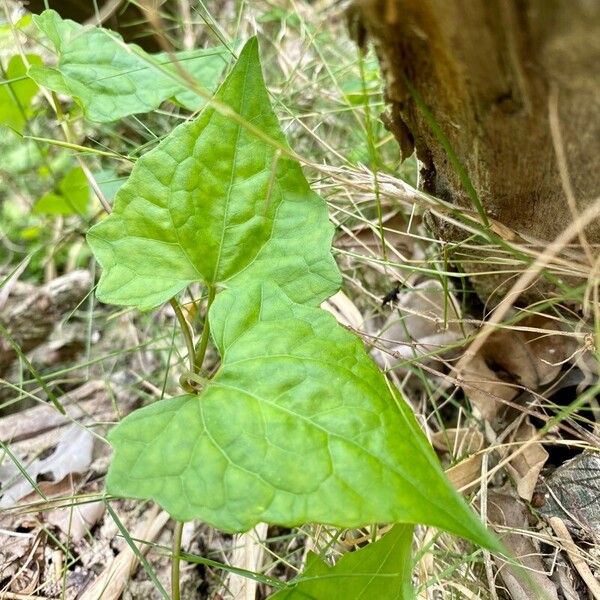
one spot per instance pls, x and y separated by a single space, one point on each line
110 79
72 197
208 202
298 424
380 570
17 92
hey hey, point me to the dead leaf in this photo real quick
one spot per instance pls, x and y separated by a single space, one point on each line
487 393
508 512
465 445
494 375
587 358
73 454
458 442
426 321
513 359
550 350
526 466
15 545
572 493
365 238
26 578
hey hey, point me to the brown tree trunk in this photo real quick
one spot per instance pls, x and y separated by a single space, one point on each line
514 85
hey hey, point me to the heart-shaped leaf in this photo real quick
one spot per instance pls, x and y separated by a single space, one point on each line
110 79
380 570
298 424
208 203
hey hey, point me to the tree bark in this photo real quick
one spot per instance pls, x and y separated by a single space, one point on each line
514 86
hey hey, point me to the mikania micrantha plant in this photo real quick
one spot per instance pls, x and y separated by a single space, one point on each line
297 425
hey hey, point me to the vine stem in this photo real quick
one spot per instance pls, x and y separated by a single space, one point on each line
203 343
176 560
196 358
185 329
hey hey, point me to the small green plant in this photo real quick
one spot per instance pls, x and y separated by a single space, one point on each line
297 424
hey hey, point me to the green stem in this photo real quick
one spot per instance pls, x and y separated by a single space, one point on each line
178 530
203 343
176 560
185 329
196 358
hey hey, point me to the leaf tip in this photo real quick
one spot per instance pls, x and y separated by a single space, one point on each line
250 49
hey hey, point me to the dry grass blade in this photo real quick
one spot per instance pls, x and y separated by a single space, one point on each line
248 554
576 557
109 585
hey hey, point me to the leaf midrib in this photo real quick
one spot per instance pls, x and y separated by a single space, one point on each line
294 415
233 171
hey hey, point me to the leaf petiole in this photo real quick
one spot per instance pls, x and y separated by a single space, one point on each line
203 343
185 330
196 358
